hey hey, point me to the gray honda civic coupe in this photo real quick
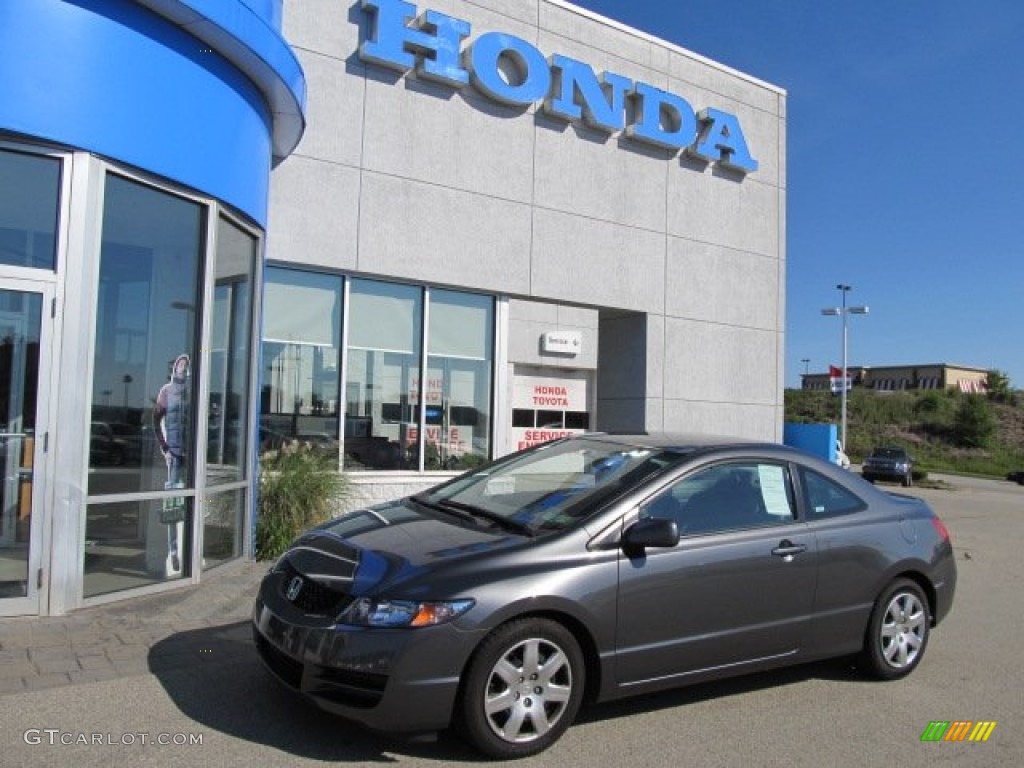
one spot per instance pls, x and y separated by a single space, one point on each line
593 568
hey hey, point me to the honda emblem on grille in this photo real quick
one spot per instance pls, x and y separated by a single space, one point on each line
294 587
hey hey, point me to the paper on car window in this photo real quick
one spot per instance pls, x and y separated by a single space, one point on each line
773 490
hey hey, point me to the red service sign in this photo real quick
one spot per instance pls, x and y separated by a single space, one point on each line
527 438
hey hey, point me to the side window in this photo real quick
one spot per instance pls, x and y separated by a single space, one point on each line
726 497
826 498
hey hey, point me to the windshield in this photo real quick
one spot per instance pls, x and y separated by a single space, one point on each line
556 485
890 453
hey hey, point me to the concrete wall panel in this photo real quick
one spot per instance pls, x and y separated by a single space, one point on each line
721 285
721 81
575 25
313 214
443 236
325 26
335 111
595 262
713 208
426 131
581 170
757 422
720 363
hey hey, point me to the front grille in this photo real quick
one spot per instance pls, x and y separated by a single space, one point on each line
313 597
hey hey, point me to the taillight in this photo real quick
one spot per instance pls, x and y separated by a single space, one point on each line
941 528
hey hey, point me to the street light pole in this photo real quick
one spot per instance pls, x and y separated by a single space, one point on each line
843 312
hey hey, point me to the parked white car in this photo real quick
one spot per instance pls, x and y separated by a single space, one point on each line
841 458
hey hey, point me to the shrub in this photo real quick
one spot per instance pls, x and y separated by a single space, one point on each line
975 423
297 487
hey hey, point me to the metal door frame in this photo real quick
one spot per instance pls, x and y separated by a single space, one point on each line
39 537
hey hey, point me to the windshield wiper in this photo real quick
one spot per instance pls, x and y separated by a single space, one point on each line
447 510
509 525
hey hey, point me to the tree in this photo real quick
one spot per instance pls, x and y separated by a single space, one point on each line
999 388
974 425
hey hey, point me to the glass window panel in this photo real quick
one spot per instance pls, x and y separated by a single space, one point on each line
136 543
301 354
20 330
223 521
229 354
522 418
301 307
458 389
577 420
384 317
147 319
460 325
29 198
550 420
383 377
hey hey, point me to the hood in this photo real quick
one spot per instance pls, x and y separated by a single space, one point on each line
387 546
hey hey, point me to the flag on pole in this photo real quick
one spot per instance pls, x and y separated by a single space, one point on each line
835 380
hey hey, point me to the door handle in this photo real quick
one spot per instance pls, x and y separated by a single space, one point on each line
787 550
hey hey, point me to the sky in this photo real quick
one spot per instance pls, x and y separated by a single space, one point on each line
905 167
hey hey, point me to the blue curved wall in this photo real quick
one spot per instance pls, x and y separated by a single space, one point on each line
120 80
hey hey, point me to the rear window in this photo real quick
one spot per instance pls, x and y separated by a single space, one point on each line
826 498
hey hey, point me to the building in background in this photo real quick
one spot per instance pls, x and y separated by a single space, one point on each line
890 378
418 236
512 220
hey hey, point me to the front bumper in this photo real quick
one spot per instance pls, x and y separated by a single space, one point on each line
884 473
397 680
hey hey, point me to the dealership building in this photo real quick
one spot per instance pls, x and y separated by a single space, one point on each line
413 236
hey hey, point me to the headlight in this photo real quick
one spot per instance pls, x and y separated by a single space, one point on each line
367 612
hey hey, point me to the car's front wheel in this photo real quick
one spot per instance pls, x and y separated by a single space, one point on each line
523 688
898 631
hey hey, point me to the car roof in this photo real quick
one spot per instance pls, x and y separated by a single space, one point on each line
680 441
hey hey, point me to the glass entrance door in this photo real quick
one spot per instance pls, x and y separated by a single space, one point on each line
24 347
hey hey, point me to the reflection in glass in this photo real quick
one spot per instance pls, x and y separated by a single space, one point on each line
229 354
458 393
29 193
301 353
135 543
383 377
223 520
19 374
146 328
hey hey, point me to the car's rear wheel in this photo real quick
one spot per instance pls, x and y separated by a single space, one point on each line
523 688
898 631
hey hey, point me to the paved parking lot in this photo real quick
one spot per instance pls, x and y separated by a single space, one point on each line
204 681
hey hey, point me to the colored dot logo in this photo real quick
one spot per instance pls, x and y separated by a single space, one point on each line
958 730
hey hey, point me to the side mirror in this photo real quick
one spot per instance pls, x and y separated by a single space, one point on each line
651 532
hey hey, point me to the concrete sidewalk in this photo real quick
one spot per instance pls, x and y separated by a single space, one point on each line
130 637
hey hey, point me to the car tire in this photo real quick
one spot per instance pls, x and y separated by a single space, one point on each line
523 668
898 631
